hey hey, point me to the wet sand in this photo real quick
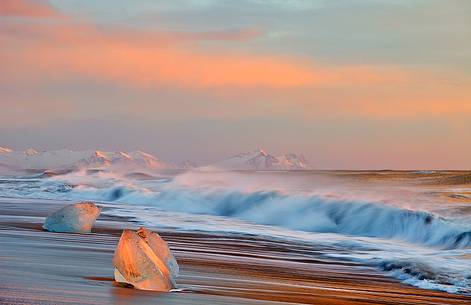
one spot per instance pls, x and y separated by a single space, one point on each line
38 267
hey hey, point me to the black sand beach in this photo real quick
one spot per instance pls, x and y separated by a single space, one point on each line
38 267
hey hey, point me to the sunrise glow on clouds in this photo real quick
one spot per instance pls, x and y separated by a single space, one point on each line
63 65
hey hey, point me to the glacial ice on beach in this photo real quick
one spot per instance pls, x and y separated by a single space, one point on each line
76 218
143 259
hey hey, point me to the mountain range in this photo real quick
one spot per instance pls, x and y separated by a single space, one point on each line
68 159
64 159
261 160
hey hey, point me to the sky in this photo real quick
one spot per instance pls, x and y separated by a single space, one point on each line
366 84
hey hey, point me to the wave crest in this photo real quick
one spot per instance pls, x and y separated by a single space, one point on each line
305 213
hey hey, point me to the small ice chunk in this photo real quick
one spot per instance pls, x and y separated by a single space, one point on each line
76 218
143 259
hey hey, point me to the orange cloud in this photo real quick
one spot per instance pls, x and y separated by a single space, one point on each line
421 95
436 103
27 8
140 58
53 51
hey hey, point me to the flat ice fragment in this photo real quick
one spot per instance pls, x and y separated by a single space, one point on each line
76 218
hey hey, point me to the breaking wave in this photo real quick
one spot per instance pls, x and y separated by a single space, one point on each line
298 212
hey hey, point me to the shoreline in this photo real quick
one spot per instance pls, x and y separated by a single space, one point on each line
39 267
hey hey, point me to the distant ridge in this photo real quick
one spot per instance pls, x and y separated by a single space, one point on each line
64 159
261 160
5 150
31 159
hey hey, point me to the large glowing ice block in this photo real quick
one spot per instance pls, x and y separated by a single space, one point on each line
143 259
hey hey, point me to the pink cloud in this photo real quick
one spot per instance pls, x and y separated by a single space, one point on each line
157 58
48 52
27 8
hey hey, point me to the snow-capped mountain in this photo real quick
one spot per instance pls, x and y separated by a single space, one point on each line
5 150
260 160
31 159
186 165
64 159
